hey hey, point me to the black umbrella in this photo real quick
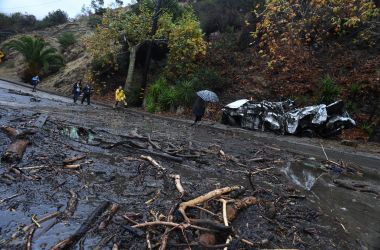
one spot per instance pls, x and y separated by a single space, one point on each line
208 96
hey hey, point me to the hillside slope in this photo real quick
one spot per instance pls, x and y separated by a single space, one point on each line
76 59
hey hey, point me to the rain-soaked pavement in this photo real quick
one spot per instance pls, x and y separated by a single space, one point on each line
303 202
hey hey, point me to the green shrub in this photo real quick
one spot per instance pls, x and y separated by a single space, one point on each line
54 18
158 87
168 98
94 20
367 128
185 92
329 90
66 39
150 106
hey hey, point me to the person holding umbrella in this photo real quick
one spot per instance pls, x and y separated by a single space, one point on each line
199 106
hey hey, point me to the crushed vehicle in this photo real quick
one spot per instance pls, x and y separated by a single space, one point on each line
281 117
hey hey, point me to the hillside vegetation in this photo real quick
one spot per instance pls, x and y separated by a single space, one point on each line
311 51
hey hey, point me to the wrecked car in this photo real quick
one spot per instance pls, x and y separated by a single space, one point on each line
281 117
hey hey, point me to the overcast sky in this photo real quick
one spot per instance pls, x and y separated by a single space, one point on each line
41 8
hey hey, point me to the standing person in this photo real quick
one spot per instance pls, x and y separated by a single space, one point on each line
35 81
86 94
76 90
199 108
119 97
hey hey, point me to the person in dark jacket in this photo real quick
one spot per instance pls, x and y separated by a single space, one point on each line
86 94
76 90
199 108
35 82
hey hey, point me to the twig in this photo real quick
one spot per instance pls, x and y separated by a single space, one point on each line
34 167
225 221
9 198
261 170
29 239
114 208
165 237
43 219
149 245
172 224
205 210
35 220
177 180
324 152
153 162
155 145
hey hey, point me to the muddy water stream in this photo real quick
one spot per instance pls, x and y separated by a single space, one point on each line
358 213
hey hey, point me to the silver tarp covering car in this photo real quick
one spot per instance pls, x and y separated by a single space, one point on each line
322 120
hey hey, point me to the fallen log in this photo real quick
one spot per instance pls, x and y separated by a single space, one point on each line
15 151
10 131
73 239
210 195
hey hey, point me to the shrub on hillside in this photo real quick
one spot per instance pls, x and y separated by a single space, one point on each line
54 18
329 90
66 39
208 78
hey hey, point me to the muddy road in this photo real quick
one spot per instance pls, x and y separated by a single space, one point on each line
89 169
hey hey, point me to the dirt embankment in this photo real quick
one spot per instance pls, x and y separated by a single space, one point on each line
75 58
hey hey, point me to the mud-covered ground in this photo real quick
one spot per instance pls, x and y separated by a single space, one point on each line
298 203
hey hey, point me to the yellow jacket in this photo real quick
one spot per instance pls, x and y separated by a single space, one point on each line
119 95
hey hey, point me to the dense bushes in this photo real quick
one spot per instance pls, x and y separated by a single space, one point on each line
18 22
220 15
164 96
54 18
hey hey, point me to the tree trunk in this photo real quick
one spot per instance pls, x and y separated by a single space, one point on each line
131 68
155 17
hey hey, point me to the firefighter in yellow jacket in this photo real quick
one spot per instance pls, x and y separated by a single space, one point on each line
119 97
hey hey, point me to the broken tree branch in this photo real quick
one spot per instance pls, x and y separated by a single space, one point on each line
177 180
114 208
73 239
153 162
29 239
203 198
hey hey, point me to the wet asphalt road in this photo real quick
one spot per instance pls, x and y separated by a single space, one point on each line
367 156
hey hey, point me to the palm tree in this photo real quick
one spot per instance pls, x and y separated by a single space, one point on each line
39 56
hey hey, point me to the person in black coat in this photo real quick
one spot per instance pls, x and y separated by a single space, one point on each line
199 108
76 90
86 94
